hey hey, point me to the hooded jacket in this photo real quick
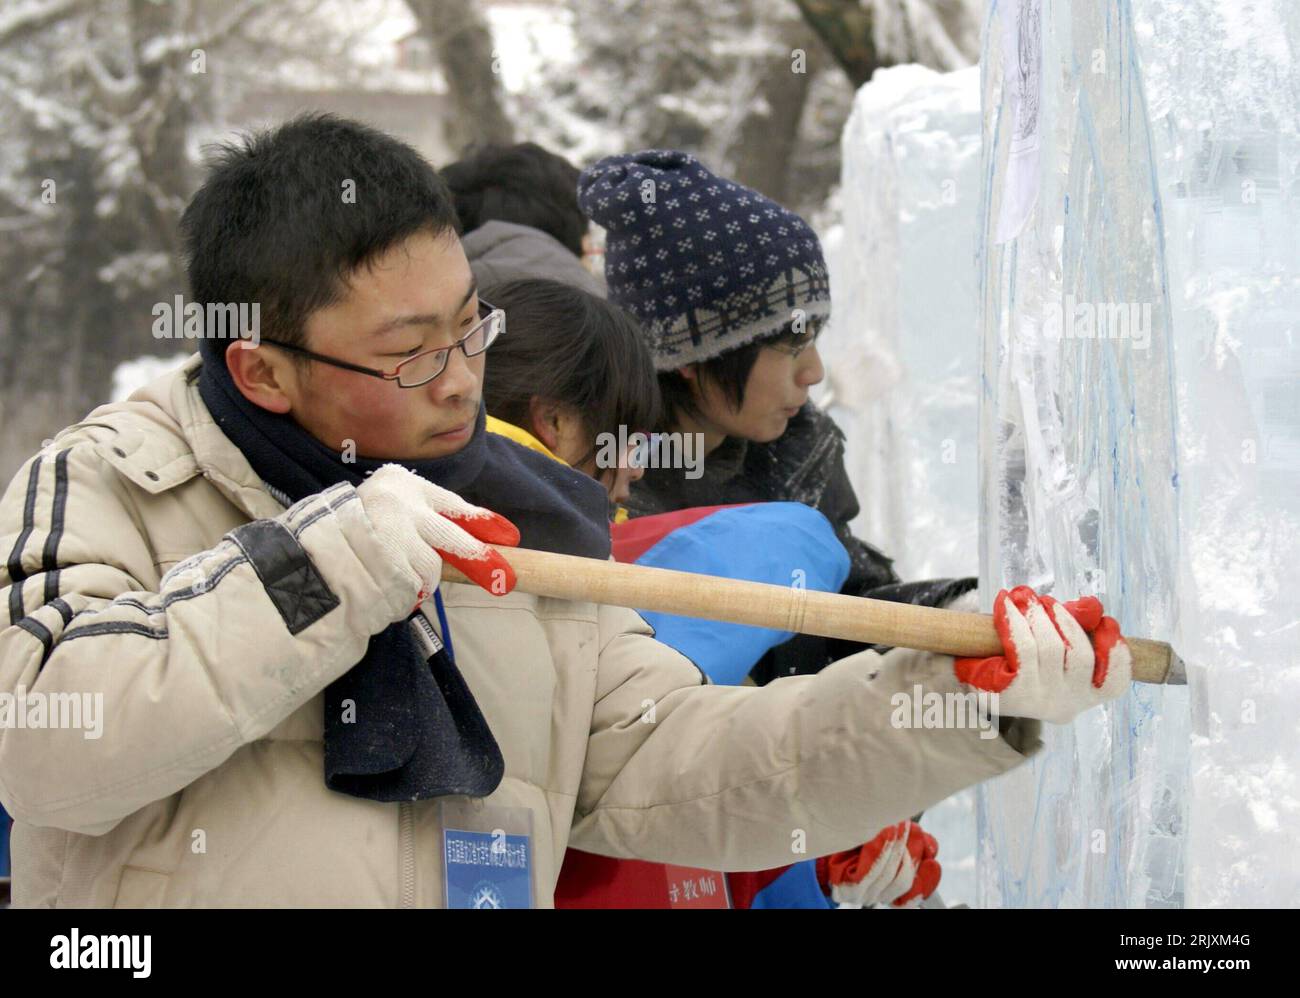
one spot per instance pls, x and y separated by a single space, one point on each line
504 251
138 571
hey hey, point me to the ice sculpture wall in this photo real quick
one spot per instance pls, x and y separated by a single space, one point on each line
902 350
1140 424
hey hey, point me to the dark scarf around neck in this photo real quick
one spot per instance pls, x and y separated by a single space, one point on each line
418 733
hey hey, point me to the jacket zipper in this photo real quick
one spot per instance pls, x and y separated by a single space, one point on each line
406 834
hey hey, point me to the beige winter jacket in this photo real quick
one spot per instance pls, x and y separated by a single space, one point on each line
128 575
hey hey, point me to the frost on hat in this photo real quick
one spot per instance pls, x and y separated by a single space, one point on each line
706 264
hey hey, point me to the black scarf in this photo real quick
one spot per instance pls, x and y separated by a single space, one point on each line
418 732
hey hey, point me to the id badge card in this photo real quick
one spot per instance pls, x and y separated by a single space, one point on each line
487 854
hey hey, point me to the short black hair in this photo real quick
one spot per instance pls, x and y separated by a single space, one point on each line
569 346
520 183
729 372
277 221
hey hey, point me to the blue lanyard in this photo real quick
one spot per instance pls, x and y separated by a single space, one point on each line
442 622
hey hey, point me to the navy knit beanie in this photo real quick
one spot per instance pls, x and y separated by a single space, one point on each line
707 265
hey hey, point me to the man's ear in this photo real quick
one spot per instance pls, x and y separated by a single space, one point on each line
260 375
691 372
544 417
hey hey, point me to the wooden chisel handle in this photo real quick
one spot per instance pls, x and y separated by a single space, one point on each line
783 608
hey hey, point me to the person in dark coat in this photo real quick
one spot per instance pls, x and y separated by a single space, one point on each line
519 216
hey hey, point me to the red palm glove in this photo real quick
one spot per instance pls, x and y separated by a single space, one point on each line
419 525
897 867
1058 659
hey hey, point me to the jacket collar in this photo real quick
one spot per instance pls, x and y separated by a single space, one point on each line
520 436
158 456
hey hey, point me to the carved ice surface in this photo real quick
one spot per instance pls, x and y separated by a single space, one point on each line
1140 434
902 349
1224 99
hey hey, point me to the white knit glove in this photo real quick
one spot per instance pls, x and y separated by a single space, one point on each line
897 868
1058 659
419 525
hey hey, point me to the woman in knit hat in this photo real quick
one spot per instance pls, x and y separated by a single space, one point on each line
732 291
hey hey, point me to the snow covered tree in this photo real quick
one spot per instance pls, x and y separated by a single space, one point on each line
102 107
463 43
751 86
97 99
730 80
864 35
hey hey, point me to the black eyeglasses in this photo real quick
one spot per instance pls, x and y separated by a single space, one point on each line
423 367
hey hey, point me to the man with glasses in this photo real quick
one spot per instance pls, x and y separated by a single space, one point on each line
243 560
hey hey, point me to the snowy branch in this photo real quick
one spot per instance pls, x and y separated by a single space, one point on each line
928 40
867 34
161 48
21 222
48 112
118 92
18 21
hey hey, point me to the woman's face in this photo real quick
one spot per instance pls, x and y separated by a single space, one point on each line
574 446
617 481
777 388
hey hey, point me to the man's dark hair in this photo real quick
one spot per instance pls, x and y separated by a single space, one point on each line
286 215
729 372
566 345
523 184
